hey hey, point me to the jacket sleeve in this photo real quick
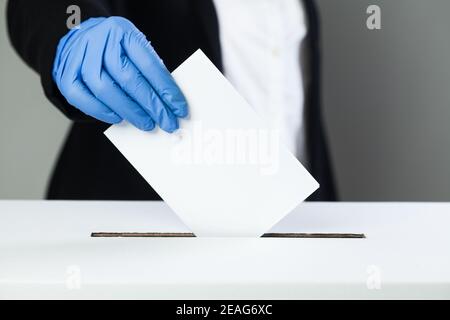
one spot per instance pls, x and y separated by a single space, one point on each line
35 28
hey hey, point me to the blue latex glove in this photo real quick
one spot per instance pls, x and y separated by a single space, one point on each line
109 70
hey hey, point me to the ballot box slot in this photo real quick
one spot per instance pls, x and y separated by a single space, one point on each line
191 235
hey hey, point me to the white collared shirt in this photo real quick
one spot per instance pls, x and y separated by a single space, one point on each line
261 48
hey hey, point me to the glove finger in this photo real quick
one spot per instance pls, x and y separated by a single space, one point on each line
144 57
96 109
128 77
106 90
112 95
66 76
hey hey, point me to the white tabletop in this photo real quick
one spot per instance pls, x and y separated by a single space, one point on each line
46 252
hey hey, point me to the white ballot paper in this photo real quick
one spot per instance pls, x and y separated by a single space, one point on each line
224 172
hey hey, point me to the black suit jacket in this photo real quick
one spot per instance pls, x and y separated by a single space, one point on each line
89 166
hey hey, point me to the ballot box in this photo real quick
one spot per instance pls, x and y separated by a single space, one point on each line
46 252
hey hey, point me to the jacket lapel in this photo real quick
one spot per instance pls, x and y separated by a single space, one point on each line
209 25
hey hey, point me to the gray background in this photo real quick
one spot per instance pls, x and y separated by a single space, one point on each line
386 101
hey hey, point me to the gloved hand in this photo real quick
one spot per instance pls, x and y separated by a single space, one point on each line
109 70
